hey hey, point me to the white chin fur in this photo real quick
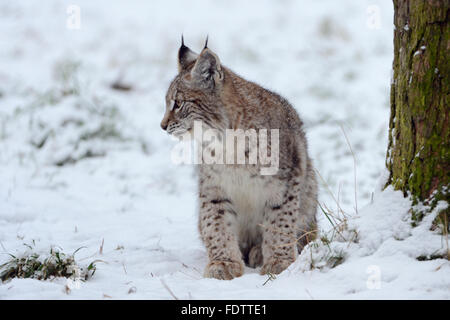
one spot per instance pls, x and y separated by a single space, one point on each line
182 134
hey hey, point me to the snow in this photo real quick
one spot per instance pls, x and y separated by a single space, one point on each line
116 184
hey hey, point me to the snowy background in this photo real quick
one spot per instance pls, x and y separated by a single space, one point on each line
84 163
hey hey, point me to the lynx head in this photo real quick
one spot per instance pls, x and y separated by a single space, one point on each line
194 94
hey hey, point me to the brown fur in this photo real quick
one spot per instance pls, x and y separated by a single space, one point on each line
244 216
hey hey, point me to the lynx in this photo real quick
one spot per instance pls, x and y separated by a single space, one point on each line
245 217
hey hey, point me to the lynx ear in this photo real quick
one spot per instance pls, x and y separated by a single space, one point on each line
207 70
185 56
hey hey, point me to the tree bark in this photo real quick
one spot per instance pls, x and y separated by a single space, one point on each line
418 151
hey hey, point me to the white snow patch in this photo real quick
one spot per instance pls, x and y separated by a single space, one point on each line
56 86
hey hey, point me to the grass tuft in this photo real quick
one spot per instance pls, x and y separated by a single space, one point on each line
43 267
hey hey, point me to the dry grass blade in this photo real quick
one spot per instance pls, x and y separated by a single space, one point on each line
336 225
100 251
168 289
270 277
331 193
354 167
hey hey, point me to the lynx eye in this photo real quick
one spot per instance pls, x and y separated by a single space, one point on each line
175 105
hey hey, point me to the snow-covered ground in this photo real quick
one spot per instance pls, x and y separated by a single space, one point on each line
82 164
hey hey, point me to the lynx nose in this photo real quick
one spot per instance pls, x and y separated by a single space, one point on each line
164 125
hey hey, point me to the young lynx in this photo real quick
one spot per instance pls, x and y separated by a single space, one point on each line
244 216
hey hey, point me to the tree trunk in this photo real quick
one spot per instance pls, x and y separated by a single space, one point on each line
418 151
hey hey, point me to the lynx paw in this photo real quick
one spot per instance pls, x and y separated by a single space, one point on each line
275 266
224 270
255 257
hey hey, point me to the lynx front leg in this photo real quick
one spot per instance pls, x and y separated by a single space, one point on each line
279 245
225 259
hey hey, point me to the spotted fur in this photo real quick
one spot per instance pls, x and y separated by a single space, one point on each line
244 217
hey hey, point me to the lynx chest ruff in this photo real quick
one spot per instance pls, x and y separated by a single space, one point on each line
250 194
249 191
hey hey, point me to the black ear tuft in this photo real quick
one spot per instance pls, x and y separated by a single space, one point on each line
206 43
185 56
